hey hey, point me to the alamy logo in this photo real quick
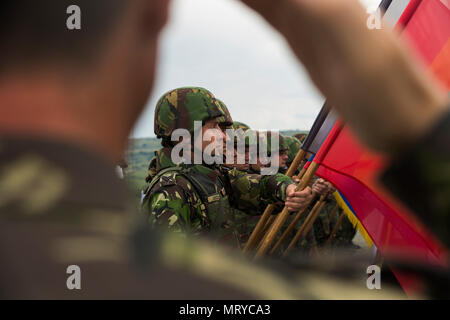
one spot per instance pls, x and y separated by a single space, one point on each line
74 20
374 279
374 20
74 280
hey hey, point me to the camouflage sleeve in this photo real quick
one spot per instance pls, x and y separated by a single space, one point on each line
420 178
151 170
175 208
250 190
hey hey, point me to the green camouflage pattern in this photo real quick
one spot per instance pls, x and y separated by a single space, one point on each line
300 137
323 226
248 135
226 118
179 108
240 125
293 146
61 205
244 222
282 146
345 233
160 161
176 204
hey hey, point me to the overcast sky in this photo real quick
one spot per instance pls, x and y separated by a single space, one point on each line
226 48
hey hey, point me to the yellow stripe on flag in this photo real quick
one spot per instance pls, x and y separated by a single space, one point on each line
353 219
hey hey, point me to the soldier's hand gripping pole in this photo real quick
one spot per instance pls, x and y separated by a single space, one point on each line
259 229
307 225
281 218
272 217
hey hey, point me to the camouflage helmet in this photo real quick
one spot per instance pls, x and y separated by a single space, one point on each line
293 145
248 135
226 118
239 125
179 108
268 141
300 136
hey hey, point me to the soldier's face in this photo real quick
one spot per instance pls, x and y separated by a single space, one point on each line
243 166
224 128
283 157
213 135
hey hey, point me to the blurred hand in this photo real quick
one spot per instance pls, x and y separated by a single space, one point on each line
323 187
320 187
367 75
297 200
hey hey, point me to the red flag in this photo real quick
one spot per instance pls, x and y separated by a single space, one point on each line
428 29
354 170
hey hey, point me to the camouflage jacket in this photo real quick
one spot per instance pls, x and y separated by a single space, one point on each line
173 201
160 161
61 205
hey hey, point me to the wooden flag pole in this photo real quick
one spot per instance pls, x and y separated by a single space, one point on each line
269 222
288 231
266 227
259 228
281 218
335 229
301 173
296 163
292 224
258 231
307 225
332 214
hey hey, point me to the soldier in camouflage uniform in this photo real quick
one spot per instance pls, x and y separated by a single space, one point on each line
300 137
60 203
281 161
244 221
294 146
247 222
240 125
163 159
198 198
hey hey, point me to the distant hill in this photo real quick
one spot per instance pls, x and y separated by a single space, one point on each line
292 132
141 151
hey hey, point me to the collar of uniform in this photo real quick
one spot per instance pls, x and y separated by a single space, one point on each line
203 166
89 180
163 159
